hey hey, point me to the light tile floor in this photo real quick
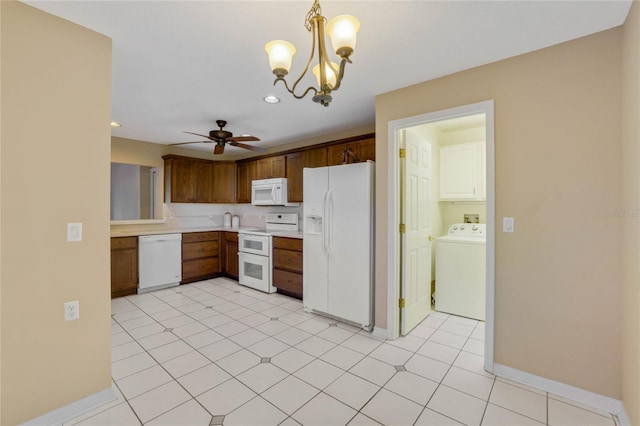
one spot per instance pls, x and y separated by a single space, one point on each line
217 353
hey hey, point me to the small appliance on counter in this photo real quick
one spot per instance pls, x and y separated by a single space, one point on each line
235 221
227 220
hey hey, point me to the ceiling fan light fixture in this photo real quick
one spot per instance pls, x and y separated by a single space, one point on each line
342 31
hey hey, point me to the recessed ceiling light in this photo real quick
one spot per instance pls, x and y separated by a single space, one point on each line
271 99
115 124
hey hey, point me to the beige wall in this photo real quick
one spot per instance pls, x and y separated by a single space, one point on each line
631 187
56 108
558 155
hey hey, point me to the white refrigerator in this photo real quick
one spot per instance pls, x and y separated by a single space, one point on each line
338 242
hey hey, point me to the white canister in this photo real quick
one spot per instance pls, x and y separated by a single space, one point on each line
227 220
235 222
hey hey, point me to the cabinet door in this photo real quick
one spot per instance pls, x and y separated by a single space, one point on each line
271 167
202 181
245 174
294 176
263 168
315 157
366 150
278 166
460 172
338 153
124 266
224 182
181 181
231 259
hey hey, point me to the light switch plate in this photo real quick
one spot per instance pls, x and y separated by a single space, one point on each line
508 224
71 310
74 231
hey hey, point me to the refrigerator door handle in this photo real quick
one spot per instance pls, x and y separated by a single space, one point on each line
330 219
324 222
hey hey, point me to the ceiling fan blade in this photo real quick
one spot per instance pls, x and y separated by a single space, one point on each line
186 143
198 134
245 146
219 149
243 139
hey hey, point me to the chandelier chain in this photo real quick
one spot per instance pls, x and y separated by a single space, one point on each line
315 10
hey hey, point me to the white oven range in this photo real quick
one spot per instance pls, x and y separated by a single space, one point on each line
254 251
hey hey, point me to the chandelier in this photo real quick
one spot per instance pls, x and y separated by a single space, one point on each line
342 31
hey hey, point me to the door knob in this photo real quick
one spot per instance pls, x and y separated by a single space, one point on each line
430 238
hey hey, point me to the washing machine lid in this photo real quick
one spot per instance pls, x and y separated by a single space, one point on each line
474 233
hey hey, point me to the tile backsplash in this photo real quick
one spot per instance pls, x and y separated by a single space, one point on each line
179 215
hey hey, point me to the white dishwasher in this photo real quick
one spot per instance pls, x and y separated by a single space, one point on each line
160 261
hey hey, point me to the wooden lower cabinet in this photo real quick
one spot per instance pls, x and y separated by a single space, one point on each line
230 254
200 256
124 266
287 266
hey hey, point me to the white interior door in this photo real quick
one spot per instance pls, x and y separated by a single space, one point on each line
416 241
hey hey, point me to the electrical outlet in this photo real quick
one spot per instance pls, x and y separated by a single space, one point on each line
71 310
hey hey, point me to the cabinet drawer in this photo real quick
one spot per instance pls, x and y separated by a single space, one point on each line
287 259
121 243
198 250
289 281
200 268
231 236
194 237
287 243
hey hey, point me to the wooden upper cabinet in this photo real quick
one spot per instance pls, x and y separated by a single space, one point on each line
336 153
271 167
366 149
194 180
246 172
224 182
352 152
295 163
316 157
177 181
202 181
187 180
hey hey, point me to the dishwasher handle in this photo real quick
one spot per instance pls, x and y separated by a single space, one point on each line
160 238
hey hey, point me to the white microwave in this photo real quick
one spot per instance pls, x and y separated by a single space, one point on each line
270 192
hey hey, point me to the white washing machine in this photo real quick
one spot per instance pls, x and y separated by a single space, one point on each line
460 270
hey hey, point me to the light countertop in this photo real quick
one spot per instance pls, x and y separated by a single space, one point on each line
134 232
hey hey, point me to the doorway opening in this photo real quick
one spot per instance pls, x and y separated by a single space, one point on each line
464 134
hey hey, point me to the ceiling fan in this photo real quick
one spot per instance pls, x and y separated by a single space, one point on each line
222 137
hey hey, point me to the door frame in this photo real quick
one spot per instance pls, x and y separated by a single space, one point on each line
393 214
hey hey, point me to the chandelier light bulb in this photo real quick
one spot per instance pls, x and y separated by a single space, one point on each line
342 31
280 55
330 73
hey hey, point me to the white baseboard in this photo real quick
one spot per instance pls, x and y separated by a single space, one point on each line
591 399
75 409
